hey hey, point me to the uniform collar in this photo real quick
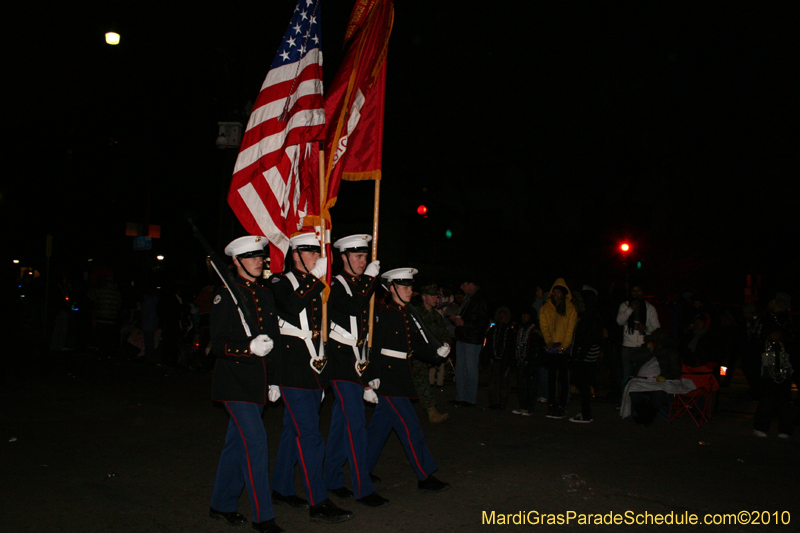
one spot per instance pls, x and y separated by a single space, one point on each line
350 277
397 306
246 282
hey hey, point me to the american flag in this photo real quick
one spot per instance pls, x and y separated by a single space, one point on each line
269 190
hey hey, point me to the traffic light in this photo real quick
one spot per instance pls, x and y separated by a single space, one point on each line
625 247
422 210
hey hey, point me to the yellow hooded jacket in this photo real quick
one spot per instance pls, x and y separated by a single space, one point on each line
556 327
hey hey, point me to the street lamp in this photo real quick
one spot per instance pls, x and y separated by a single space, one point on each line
112 38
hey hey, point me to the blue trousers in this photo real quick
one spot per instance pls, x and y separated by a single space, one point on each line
244 463
467 358
347 440
398 414
301 442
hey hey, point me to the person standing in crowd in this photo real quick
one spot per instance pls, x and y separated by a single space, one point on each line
471 323
348 309
557 321
589 335
638 318
776 369
107 304
246 364
303 380
500 351
399 337
529 342
150 322
422 380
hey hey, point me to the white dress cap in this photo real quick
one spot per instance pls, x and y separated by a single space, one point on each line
304 239
353 241
246 246
396 274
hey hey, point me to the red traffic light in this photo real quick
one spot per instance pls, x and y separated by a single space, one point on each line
422 210
625 247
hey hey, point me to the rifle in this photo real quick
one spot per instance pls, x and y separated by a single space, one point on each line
245 314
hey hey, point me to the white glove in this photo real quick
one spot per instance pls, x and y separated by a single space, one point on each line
443 350
373 269
274 393
375 383
320 269
370 396
261 345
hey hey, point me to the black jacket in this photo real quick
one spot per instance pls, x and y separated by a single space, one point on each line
476 320
296 371
341 306
396 330
240 376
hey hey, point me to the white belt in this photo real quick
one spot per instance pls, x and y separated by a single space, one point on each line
338 333
299 333
335 335
394 353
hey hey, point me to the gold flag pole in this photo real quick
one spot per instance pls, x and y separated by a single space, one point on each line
375 211
322 196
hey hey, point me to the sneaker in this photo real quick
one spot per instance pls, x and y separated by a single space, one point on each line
783 435
525 413
542 399
517 411
758 433
578 419
556 413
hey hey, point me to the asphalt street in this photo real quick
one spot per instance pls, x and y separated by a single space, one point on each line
92 444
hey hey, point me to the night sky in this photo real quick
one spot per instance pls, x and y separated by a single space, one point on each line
540 133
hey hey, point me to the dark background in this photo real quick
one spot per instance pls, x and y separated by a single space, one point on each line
541 134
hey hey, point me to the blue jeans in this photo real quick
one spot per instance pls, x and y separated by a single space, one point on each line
467 358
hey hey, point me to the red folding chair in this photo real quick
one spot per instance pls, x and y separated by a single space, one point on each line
696 403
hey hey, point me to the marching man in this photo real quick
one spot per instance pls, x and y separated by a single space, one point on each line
348 308
399 337
303 378
246 363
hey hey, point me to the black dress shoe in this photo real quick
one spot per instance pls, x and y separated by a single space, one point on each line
342 492
373 500
375 479
431 484
329 512
268 526
292 501
232 519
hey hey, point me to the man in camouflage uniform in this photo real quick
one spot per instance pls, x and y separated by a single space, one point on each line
438 325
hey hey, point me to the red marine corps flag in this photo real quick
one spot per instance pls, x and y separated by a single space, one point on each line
272 187
354 102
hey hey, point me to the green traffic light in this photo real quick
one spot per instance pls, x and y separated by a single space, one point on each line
448 234
638 264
